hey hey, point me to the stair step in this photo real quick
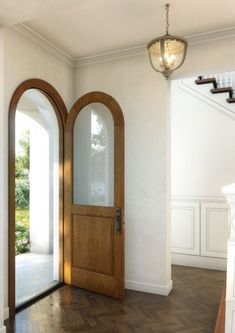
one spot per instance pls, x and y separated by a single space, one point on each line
206 81
230 100
220 322
223 90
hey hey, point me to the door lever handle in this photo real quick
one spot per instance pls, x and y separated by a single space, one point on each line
118 220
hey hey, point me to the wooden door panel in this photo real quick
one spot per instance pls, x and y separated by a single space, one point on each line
94 237
93 210
100 283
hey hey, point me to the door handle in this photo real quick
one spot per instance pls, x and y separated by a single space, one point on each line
118 220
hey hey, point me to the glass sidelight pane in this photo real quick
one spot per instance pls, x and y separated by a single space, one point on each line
93 153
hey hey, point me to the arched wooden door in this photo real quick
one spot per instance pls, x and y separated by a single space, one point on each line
94 195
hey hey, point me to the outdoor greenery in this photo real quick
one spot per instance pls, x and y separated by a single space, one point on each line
22 164
23 217
22 244
22 192
98 158
22 172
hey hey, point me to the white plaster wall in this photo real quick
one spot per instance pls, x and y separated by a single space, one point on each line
141 94
3 133
203 142
24 60
39 189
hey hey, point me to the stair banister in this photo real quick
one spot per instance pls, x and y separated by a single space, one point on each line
229 192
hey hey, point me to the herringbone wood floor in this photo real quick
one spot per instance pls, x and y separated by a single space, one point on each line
191 308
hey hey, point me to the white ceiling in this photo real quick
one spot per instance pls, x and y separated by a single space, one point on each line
87 27
17 11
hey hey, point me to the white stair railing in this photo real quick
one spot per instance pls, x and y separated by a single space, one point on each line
229 191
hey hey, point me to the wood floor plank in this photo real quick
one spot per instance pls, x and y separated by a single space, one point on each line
191 308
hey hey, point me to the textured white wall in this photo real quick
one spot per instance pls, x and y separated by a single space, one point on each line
202 143
40 191
24 60
142 95
3 220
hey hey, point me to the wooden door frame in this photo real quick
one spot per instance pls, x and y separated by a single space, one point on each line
118 118
61 114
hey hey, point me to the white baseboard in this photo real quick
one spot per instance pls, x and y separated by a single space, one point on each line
6 313
199 261
149 288
3 329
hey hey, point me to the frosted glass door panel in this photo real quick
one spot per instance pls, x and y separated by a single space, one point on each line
93 151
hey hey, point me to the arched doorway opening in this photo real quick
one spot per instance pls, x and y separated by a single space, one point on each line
37 119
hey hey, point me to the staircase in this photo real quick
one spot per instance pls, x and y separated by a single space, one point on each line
222 84
217 90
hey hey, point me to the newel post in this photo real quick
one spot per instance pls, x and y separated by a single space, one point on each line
229 192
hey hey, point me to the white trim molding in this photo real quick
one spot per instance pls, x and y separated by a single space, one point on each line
44 43
51 47
199 227
199 261
6 313
210 36
185 216
149 287
214 217
193 39
201 198
230 319
110 56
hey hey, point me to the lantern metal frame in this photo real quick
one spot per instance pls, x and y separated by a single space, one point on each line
167 37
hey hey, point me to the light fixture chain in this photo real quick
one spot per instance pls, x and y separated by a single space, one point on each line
167 18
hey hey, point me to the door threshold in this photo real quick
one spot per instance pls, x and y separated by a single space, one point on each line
38 297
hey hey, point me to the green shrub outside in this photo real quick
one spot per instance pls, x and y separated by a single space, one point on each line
22 192
22 186
22 244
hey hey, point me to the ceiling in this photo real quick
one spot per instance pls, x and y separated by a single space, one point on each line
87 27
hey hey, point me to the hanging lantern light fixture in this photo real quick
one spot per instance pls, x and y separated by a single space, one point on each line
167 53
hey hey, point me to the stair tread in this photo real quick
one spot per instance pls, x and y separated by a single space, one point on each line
230 100
207 81
221 90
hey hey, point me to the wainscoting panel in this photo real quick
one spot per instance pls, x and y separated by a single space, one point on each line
185 227
214 229
199 229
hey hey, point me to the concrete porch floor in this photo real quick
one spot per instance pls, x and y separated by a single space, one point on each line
34 275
